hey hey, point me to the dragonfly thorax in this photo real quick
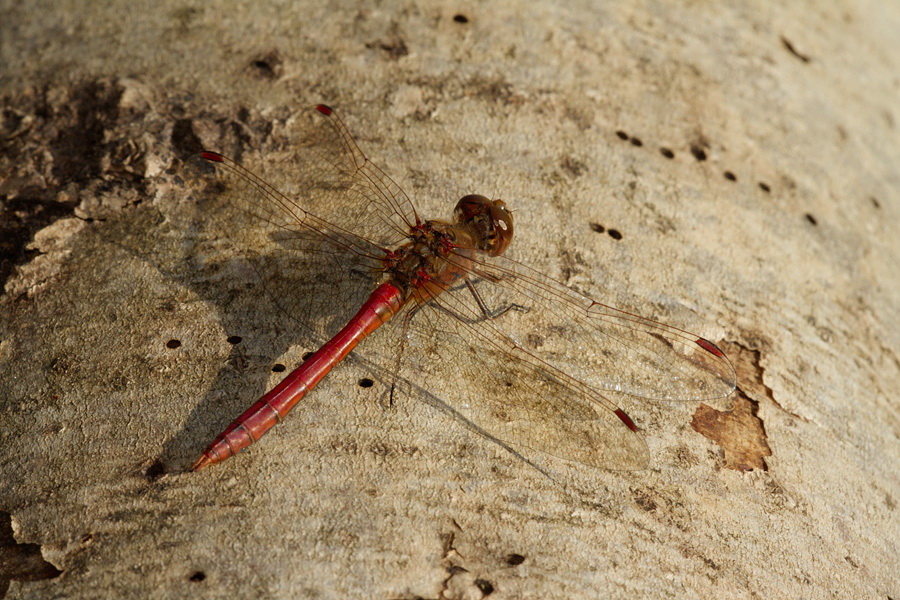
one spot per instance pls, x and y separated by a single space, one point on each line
435 256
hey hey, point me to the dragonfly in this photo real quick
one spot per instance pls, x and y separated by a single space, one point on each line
442 308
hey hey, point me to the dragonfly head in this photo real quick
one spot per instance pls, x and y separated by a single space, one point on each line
489 221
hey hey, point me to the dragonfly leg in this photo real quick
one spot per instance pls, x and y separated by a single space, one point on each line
399 359
486 313
499 312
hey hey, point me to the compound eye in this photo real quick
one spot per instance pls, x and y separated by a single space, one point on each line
503 226
490 222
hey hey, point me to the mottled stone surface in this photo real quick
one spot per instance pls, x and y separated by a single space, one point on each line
728 169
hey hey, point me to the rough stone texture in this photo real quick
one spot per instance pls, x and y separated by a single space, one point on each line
746 154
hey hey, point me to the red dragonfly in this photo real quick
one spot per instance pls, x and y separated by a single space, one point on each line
436 299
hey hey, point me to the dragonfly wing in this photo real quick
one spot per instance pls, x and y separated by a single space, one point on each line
316 272
347 188
508 391
612 351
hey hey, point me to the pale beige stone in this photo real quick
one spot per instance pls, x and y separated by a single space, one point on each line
351 498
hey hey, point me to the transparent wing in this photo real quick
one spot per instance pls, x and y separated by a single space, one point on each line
512 393
610 350
316 271
348 187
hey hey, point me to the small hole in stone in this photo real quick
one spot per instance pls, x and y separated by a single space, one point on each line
514 559
614 234
698 152
268 66
598 227
198 576
172 344
155 471
278 368
811 219
485 586
875 202
764 187
234 339
730 176
636 142
306 356
460 18
365 382
622 135
667 153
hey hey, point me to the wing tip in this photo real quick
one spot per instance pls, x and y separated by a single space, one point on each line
623 416
709 347
212 156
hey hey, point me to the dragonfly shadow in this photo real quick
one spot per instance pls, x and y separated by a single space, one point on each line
412 390
172 244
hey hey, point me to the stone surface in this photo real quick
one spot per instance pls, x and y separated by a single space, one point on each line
744 156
